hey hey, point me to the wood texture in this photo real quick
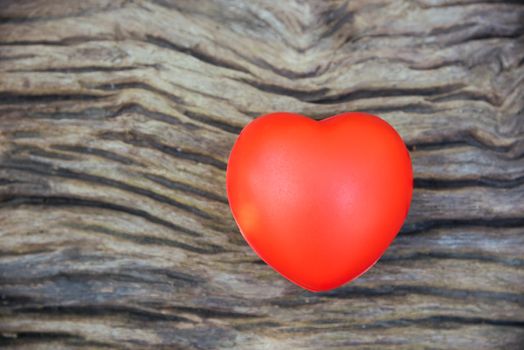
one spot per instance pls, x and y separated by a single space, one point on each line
116 120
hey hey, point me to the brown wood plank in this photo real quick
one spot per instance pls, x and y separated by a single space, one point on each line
116 122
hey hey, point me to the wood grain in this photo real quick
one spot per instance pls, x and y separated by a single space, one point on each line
116 121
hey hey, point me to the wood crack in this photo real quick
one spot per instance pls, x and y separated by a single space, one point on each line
47 170
60 201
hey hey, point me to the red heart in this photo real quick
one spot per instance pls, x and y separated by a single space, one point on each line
319 201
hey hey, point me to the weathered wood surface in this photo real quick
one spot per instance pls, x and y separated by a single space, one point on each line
116 119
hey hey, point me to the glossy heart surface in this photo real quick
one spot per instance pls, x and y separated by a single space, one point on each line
319 201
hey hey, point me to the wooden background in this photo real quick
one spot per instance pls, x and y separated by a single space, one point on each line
116 121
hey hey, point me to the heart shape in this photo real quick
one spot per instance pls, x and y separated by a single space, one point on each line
319 201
